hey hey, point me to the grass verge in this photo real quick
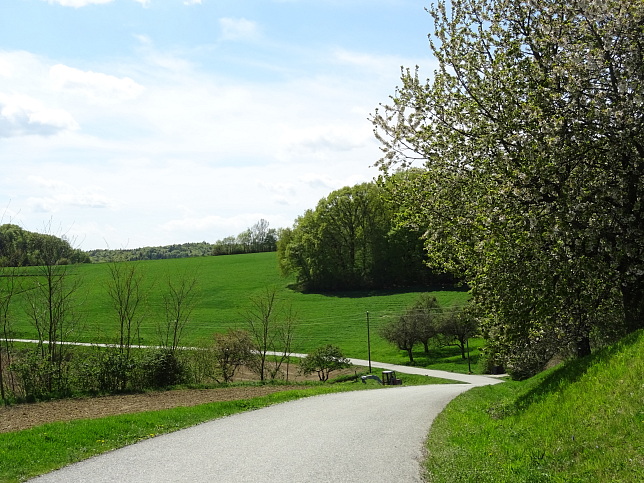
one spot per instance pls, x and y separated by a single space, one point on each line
580 422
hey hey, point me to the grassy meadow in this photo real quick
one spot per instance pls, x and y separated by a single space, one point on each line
226 284
582 421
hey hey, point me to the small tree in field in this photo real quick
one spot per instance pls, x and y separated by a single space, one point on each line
8 288
271 324
324 360
426 314
51 302
126 292
178 301
125 287
403 333
232 350
458 325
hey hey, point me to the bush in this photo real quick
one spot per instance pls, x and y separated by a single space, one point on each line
324 360
231 350
39 378
162 368
489 363
115 370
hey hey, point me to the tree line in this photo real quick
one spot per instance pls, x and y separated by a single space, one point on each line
255 239
180 250
22 248
352 240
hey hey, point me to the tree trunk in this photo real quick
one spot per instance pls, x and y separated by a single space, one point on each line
583 346
633 299
410 354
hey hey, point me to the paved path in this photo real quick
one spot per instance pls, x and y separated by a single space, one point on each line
374 436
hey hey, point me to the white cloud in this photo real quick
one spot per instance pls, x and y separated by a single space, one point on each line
23 70
6 69
57 195
96 86
78 3
192 2
317 139
222 145
238 29
202 224
278 187
316 180
65 193
22 115
85 3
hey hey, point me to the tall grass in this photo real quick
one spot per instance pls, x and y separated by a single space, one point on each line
580 422
225 285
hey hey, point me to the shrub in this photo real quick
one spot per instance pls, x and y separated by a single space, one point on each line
324 360
116 370
162 368
231 350
40 378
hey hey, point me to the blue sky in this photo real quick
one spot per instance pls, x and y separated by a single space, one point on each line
129 123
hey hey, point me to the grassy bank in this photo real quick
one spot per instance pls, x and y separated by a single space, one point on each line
580 422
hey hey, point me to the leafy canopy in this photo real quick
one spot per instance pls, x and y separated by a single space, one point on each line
530 146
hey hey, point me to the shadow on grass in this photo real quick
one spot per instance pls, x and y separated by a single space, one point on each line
568 373
447 356
383 292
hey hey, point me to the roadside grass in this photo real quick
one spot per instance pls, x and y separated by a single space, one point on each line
28 453
226 284
407 379
582 421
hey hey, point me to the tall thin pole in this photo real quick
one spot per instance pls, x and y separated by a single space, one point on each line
368 342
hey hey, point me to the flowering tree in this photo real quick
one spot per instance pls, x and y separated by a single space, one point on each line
529 151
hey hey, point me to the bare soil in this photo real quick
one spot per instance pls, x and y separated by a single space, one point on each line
24 416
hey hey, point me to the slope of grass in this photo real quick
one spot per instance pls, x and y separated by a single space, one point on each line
225 285
580 422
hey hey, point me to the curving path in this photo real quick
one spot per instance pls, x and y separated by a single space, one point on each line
374 436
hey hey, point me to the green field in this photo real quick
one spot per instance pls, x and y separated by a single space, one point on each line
226 284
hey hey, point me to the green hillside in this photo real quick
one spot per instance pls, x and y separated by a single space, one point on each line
225 285
580 422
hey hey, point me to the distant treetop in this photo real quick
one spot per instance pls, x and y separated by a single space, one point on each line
21 248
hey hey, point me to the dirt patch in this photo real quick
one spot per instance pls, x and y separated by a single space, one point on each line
23 416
